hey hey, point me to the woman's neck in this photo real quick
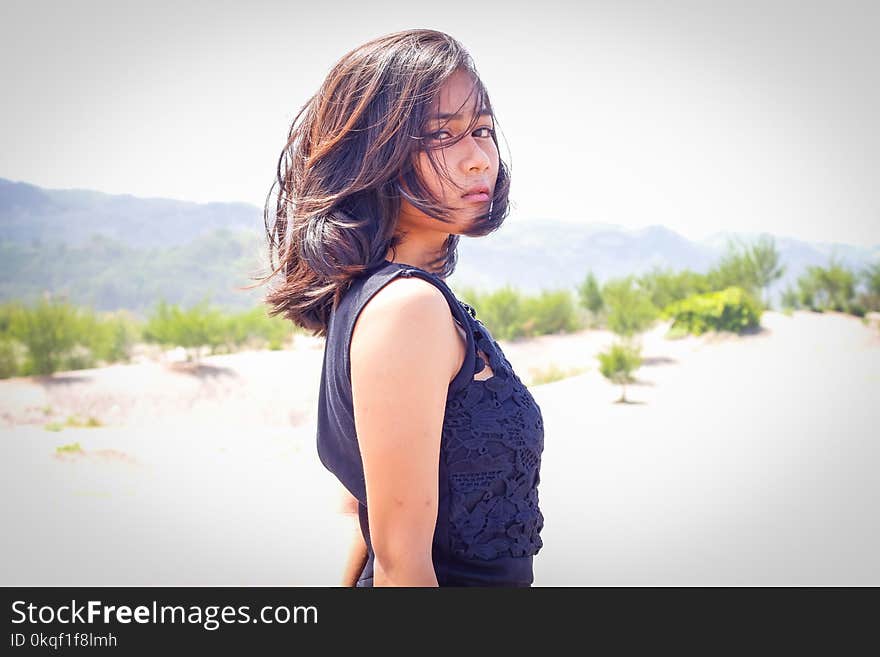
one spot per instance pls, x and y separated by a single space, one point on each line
420 258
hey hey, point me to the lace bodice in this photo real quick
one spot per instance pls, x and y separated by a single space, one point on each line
493 438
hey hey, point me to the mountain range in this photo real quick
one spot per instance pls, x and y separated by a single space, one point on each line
114 251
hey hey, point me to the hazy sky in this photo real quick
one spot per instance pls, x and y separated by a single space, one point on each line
702 116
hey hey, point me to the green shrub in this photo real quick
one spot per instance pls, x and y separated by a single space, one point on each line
49 330
664 286
76 421
53 335
790 299
870 298
750 267
510 314
549 312
553 373
618 363
191 329
204 326
111 335
71 448
7 313
255 327
78 357
827 288
500 310
12 356
630 310
590 294
735 269
732 309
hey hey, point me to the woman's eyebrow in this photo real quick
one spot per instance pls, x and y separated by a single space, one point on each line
455 117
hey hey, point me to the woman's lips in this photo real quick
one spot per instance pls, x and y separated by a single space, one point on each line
476 198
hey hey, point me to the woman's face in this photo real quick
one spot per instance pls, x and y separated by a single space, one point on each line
471 162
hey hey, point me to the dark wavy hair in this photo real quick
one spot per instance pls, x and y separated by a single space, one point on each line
350 159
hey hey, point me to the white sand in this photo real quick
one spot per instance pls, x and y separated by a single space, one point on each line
747 460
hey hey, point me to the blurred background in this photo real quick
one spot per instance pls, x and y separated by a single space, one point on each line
689 283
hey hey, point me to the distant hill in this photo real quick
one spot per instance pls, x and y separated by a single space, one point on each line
119 251
535 254
33 215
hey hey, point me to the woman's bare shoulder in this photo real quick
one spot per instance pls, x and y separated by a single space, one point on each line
411 298
410 318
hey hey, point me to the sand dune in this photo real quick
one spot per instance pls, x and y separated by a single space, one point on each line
744 460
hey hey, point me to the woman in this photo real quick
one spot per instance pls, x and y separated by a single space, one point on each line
434 438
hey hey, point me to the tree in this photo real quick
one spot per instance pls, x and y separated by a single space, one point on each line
764 259
735 269
831 288
870 276
590 296
790 298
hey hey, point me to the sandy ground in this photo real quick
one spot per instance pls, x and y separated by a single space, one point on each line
744 460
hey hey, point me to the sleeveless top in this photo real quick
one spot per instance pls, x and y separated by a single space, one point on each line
488 522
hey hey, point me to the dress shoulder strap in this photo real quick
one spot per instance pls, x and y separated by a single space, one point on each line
458 309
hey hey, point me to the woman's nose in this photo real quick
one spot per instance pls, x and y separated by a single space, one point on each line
476 156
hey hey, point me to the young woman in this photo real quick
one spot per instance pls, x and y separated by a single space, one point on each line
434 438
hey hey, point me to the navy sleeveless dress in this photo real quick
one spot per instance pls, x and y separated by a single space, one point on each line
489 521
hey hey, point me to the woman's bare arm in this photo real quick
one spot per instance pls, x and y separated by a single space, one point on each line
405 350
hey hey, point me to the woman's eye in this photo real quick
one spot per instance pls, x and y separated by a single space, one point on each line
436 135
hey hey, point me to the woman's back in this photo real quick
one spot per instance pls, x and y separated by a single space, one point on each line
488 519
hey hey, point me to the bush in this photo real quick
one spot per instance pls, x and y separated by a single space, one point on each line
630 310
735 269
553 373
111 335
196 327
80 357
54 335
869 299
12 356
831 288
790 300
204 326
70 448
732 309
750 267
500 310
618 363
590 295
549 312
49 330
664 287
256 327
509 314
